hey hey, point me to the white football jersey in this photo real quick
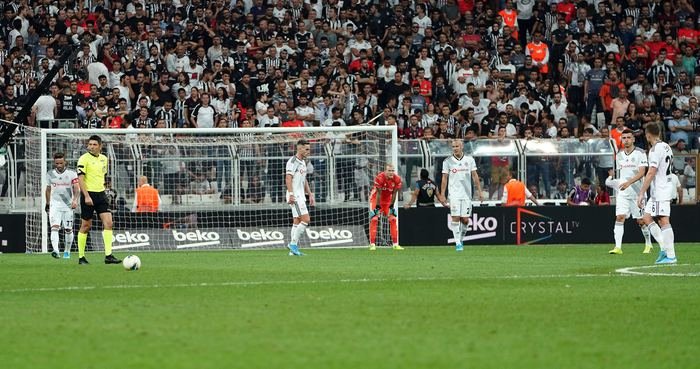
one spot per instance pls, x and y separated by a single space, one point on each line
661 157
459 176
297 169
628 166
61 188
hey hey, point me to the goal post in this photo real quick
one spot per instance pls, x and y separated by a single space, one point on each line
220 188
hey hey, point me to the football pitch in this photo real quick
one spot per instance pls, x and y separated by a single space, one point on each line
487 307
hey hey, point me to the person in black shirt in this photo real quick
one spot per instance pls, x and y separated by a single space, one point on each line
424 192
67 104
91 121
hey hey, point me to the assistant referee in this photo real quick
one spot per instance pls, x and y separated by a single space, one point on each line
92 169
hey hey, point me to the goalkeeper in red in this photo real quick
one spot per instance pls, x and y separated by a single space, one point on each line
381 201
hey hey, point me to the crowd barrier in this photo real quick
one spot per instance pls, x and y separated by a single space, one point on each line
535 225
493 225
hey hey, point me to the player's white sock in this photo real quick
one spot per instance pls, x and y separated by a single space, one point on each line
618 231
293 232
457 231
69 240
669 238
54 239
645 233
301 227
655 232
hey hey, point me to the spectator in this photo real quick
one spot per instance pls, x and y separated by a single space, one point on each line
679 128
203 114
678 190
44 112
167 56
562 191
581 195
602 196
200 184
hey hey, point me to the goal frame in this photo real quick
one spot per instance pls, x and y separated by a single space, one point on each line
45 155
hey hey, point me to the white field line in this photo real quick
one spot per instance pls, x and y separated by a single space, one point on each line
622 272
634 271
299 282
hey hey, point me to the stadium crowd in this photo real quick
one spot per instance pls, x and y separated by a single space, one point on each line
436 69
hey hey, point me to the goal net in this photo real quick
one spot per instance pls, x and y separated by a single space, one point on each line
220 188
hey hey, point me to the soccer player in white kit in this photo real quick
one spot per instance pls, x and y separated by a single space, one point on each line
297 188
632 165
62 194
659 204
459 171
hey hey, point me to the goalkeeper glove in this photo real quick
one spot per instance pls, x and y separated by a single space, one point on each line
392 211
374 213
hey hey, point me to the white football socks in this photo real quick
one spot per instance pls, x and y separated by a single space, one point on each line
293 232
457 231
655 232
68 238
668 236
618 231
301 227
647 236
54 240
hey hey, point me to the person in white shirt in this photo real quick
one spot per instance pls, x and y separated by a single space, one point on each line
269 119
425 62
62 191
632 164
659 205
336 119
297 189
386 70
459 171
558 108
480 106
44 111
305 112
678 192
421 19
261 106
203 114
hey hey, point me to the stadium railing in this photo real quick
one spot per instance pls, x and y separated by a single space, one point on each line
540 162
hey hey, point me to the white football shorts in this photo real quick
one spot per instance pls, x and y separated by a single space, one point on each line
461 208
58 217
628 207
658 208
299 206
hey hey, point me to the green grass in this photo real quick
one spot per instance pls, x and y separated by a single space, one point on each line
488 307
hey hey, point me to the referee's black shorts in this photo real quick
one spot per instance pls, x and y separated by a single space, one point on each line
99 205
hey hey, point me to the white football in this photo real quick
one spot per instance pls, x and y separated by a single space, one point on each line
583 203
132 262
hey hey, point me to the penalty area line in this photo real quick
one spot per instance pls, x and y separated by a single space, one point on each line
301 282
